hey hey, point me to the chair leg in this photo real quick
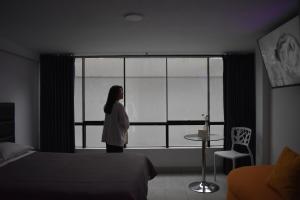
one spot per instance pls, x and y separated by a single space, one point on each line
233 163
215 166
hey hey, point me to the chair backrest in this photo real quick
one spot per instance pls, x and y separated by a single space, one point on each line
241 136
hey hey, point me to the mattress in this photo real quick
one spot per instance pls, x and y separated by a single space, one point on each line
77 176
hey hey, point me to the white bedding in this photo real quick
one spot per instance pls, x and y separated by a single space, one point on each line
16 158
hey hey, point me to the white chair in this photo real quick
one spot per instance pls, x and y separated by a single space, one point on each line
241 136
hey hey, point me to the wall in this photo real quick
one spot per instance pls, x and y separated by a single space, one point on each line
19 72
285 118
263 112
277 116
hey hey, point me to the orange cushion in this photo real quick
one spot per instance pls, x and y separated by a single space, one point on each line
249 183
285 175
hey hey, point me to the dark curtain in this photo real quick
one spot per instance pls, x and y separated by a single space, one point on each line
57 103
239 102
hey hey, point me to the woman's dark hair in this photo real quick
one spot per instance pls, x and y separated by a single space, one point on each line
112 98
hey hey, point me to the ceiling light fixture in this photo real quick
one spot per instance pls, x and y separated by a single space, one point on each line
133 17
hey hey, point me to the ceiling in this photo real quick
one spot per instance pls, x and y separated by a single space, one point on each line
97 27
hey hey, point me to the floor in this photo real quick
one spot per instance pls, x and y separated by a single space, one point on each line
175 187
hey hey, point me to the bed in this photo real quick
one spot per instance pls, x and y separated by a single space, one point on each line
41 175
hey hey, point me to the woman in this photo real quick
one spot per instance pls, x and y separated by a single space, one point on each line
116 121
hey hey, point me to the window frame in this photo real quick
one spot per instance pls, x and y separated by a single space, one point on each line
168 123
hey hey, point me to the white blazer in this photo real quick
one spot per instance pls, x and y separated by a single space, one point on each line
116 125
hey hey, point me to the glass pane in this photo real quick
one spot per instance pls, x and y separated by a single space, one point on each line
104 67
94 136
219 130
78 90
146 89
100 75
78 136
146 136
187 88
216 89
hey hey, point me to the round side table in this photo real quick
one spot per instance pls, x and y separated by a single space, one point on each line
203 186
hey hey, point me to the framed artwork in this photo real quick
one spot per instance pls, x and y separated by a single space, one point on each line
280 50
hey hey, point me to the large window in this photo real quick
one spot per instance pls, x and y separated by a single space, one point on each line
163 96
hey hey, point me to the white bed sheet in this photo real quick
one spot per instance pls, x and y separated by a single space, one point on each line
16 158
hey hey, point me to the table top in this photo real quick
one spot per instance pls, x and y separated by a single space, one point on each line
209 137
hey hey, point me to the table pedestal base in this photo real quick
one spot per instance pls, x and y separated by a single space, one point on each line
204 187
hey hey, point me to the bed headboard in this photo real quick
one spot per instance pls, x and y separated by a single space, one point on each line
7 122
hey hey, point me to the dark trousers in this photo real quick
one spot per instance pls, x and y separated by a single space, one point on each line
113 149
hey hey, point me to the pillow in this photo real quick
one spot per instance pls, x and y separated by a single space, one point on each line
285 175
10 150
